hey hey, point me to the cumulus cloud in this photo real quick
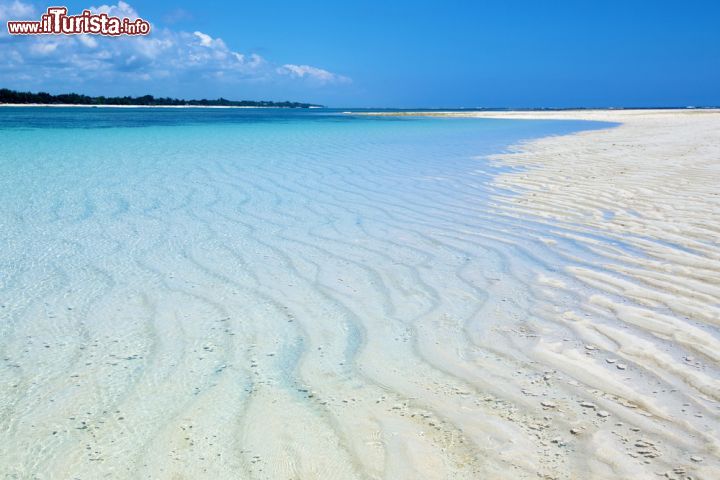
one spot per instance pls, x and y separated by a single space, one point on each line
205 40
311 73
12 11
164 54
121 10
16 9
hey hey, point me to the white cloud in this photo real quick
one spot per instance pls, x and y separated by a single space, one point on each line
43 48
15 11
121 10
312 73
164 54
205 40
88 40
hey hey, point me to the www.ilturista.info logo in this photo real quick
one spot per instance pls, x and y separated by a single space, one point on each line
56 21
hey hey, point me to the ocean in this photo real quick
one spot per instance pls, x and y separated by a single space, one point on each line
254 293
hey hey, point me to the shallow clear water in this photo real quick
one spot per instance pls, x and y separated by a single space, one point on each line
169 270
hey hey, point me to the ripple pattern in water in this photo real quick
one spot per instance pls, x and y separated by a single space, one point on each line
231 294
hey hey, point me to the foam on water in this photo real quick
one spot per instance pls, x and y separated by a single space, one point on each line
262 294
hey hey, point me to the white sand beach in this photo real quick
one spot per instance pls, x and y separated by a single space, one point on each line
344 315
634 374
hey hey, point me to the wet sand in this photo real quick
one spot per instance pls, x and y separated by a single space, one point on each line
314 320
641 348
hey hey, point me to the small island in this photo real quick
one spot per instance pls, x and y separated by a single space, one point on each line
13 97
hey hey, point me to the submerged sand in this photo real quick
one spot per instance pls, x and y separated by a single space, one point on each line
420 346
643 350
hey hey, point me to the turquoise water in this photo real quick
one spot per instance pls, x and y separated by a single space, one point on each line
167 268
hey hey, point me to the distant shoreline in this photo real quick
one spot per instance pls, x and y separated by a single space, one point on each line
65 105
529 114
14 98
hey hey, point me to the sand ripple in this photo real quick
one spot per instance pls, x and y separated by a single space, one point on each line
283 314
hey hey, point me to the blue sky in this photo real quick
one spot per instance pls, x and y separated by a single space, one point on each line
372 53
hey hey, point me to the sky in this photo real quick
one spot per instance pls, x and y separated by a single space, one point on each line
371 53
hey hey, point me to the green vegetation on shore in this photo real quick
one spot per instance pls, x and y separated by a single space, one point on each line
12 96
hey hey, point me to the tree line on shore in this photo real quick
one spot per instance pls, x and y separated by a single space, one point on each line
13 96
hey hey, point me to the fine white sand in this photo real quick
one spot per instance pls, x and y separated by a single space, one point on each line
643 344
257 329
